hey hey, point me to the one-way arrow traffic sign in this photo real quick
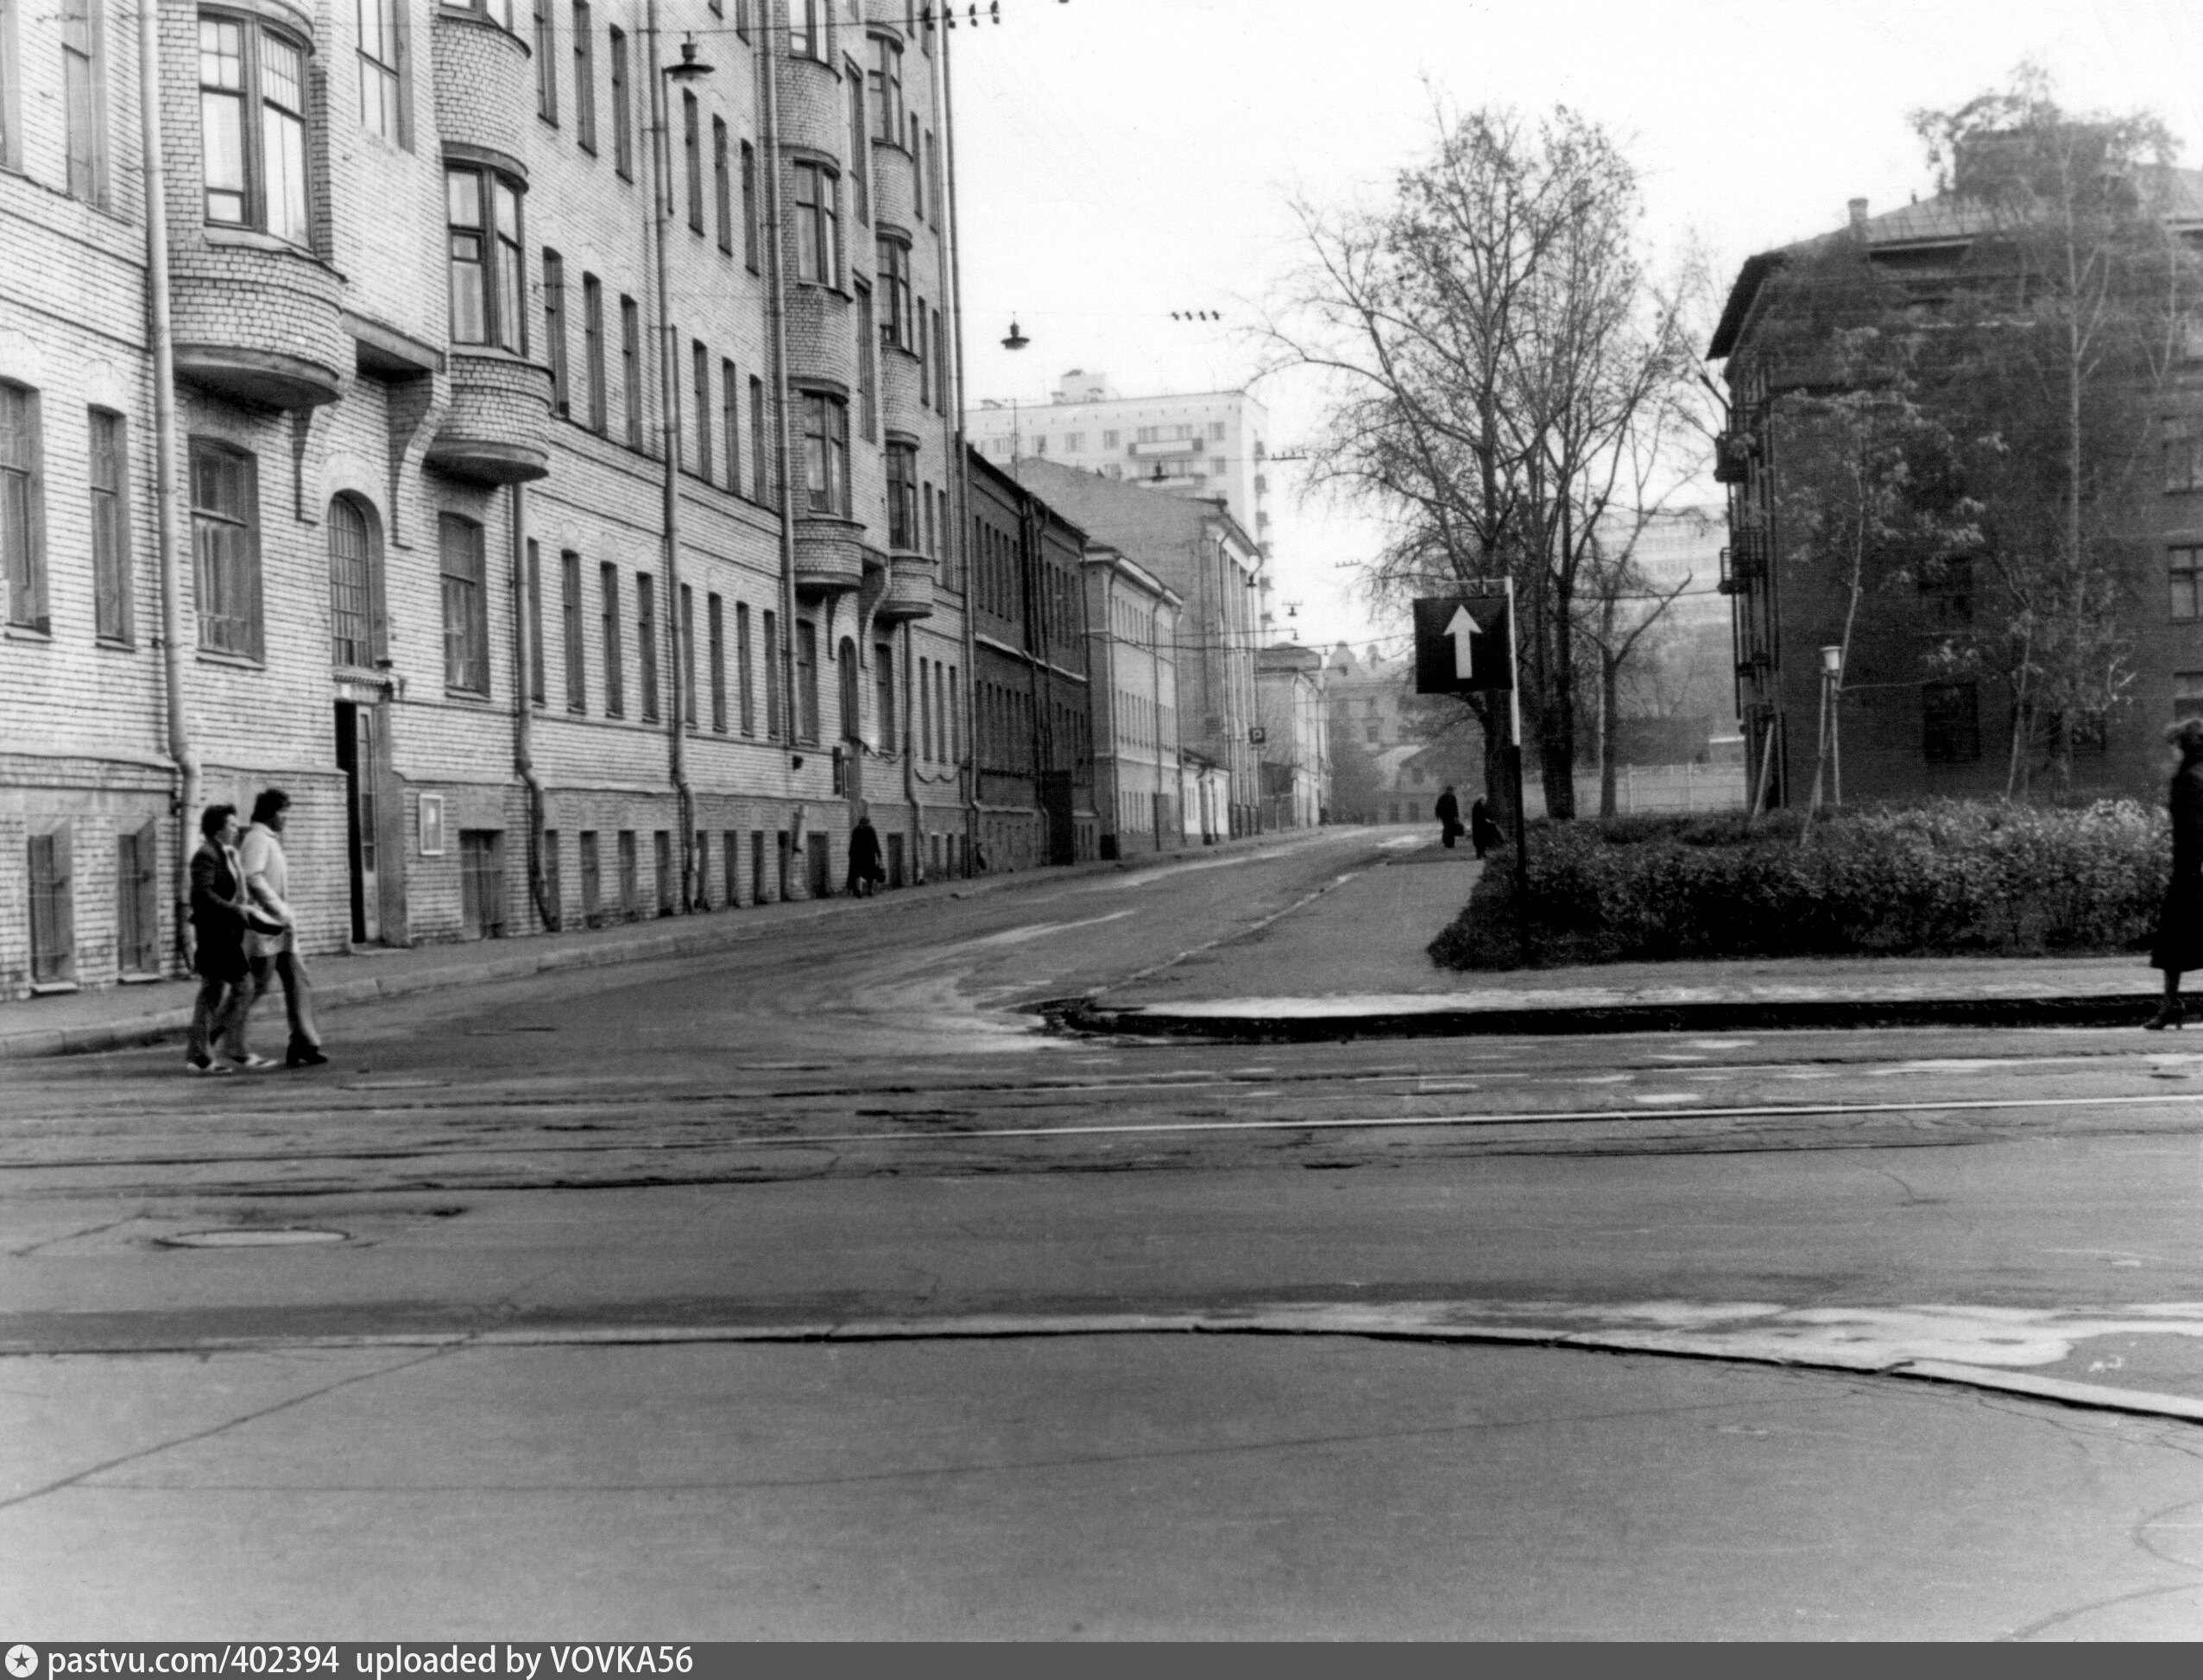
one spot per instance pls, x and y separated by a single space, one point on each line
1463 645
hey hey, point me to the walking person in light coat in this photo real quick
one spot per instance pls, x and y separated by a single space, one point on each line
267 884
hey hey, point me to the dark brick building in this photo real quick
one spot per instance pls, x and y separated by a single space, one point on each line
1908 728
1032 719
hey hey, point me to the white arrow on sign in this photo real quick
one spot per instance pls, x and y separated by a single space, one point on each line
1460 627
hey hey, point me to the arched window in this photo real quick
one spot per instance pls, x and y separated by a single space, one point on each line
851 717
351 584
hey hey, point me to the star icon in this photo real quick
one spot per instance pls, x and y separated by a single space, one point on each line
23 1662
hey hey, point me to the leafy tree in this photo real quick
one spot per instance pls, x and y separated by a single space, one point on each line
2066 322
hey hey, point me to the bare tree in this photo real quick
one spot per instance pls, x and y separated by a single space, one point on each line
1492 350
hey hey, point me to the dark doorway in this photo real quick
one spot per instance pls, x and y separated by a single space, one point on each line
355 757
1056 807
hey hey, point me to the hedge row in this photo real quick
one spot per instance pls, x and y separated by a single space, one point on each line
1949 878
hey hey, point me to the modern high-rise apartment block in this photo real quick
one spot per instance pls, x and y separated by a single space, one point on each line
362 431
1207 442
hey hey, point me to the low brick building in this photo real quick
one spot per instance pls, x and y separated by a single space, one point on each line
427 568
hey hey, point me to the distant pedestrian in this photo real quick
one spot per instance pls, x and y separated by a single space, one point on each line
1448 815
865 873
217 910
1483 830
272 943
2179 945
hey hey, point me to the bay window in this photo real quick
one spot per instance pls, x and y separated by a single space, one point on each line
898 329
818 224
886 79
902 494
488 278
252 126
826 451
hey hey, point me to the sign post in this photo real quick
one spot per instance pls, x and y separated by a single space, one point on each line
1465 644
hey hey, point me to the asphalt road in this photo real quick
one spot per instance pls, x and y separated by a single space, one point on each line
521 1317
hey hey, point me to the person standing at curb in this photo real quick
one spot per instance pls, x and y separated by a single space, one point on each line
865 872
1483 831
267 883
218 949
1448 815
2179 944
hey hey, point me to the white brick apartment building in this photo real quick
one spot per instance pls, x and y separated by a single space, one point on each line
396 352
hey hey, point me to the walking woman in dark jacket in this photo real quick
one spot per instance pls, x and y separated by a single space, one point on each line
218 954
2180 921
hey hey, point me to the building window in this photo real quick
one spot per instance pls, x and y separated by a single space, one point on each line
807 29
52 911
137 900
631 368
688 656
902 496
2187 695
925 501
584 79
1947 597
607 583
924 361
700 372
772 653
1074 442
466 605
592 341
918 182
646 643
661 858
252 127
860 176
534 590
2182 566
622 115
110 528
570 622
730 429
547 64
883 694
867 367
488 278
749 207
848 693
554 330
826 452
1950 715
764 482
818 224
692 151
352 585
715 630
806 680
225 548
741 20
554 890
84 102
482 883
723 190
745 678
933 177
2183 454
630 888
499 12
886 90
894 271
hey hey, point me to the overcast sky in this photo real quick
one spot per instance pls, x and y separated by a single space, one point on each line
1121 159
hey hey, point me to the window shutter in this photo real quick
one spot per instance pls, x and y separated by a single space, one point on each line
34 420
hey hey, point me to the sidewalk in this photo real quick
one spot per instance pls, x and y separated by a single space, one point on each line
1353 963
123 1016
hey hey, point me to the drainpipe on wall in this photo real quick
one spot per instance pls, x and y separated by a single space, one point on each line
777 317
966 703
181 752
678 630
523 707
